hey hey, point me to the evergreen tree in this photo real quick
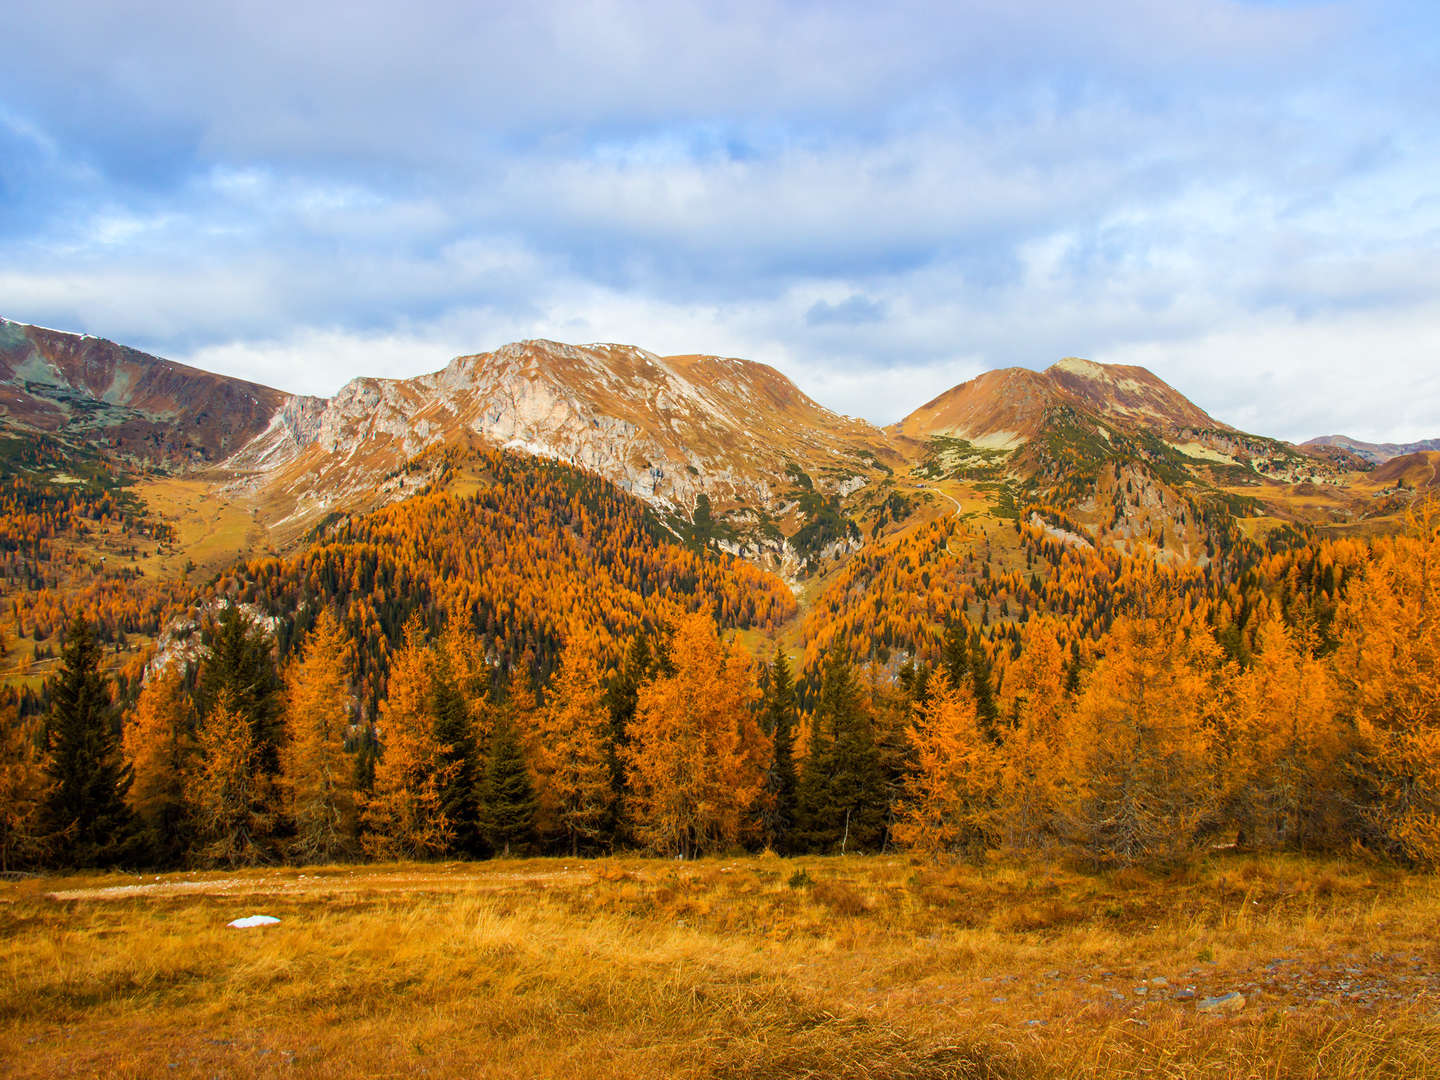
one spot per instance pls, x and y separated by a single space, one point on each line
241 666
506 795
842 788
982 684
621 695
455 735
85 807
777 720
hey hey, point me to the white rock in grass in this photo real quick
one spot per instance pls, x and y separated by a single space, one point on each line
253 920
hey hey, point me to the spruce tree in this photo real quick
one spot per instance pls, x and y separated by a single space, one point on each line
458 755
777 720
982 683
842 789
85 810
241 667
621 696
506 795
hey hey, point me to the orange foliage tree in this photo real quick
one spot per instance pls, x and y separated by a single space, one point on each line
569 751
317 772
225 791
1143 724
404 816
696 757
159 743
949 801
1388 668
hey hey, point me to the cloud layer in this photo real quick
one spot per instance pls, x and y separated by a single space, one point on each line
1241 196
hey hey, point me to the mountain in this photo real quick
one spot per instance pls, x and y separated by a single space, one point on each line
726 452
91 393
732 441
1373 453
1008 408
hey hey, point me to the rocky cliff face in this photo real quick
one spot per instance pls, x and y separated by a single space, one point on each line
670 430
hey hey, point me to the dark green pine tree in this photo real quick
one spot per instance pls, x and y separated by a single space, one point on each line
85 810
622 693
955 652
777 720
456 736
982 680
241 663
842 789
506 796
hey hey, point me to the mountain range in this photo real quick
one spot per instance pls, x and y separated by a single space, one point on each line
726 452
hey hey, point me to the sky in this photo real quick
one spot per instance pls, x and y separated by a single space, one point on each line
880 200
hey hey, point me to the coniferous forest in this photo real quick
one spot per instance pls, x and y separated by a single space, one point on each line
541 668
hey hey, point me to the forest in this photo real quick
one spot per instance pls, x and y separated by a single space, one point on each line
538 668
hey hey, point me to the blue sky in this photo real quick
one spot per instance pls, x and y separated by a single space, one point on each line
880 200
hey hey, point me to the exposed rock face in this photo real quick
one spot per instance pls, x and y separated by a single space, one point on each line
667 429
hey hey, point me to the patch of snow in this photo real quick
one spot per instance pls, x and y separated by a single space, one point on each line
252 921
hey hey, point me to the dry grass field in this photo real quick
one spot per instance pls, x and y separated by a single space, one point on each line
747 967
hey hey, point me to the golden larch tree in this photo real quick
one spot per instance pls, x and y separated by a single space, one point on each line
1388 674
948 802
1038 761
569 751
159 744
1286 745
224 791
1145 785
404 816
317 773
22 786
696 758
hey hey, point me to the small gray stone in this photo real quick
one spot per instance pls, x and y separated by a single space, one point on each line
1224 1003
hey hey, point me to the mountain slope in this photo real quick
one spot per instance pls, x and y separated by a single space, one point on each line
94 393
682 432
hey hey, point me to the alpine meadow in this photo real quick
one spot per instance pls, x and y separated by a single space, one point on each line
373 706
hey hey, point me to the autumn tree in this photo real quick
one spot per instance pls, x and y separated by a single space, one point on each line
1388 674
696 757
1037 763
85 811
22 785
949 803
1144 788
404 816
159 743
569 751
318 774
226 795
1286 747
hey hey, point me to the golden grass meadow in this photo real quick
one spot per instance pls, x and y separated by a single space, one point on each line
884 967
